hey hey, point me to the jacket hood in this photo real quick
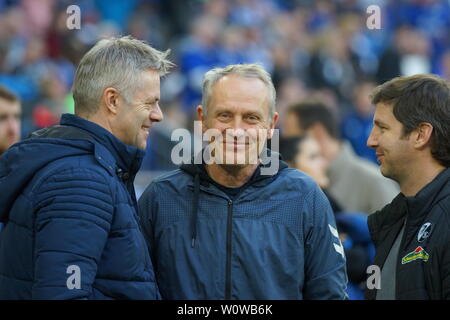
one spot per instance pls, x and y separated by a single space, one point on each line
20 163
200 175
75 137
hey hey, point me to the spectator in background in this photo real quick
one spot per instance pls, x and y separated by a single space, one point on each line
10 113
198 53
324 44
303 153
331 66
355 183
357 124
445 65
409 54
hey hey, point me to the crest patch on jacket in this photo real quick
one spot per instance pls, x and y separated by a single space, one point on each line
418 254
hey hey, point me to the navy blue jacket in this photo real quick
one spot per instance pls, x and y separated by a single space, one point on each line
277 239
67 199
426 241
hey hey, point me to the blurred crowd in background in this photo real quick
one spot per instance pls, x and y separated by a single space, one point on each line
319 50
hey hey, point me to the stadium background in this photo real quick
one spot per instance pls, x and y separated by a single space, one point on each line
321 49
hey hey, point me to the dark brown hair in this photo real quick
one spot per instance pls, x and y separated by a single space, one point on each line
311 112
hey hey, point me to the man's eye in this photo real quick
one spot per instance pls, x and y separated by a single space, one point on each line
224 116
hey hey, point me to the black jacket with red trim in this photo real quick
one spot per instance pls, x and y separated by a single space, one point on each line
423 263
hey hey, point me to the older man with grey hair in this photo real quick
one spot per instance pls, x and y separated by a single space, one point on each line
68 203
228 229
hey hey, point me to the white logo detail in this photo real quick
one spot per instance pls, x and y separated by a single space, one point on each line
338 247
424 232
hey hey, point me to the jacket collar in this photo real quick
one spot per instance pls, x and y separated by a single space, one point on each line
128 158
257 180
418 205
202 181
414 208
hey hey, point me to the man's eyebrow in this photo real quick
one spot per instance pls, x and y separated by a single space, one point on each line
151 100
380 123
254 112
221 110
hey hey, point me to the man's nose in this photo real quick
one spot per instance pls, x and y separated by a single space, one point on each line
238 124
236 127
372 141
156 115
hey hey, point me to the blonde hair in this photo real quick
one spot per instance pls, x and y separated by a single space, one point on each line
117 63
251 70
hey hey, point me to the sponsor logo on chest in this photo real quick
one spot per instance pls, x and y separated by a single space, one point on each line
418 254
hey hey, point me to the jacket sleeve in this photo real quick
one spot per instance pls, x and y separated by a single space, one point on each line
325 264
74 211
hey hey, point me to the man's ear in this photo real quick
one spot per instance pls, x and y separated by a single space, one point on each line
423 135
110 99
200 113
201 117
274 119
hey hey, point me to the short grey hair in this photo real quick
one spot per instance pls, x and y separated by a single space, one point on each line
117 63
249 70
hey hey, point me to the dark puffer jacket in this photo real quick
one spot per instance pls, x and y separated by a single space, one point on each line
67 203
423 263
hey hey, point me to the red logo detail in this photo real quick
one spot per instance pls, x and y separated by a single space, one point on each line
418 249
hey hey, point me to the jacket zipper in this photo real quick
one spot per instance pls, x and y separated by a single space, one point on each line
228 244
229 251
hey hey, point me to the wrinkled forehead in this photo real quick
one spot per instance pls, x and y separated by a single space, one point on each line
236 90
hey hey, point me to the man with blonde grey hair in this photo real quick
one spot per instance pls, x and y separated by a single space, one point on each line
68 202
225 229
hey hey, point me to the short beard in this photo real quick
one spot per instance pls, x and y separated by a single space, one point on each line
391 174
